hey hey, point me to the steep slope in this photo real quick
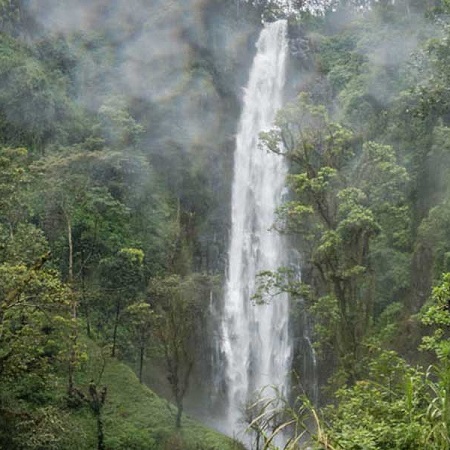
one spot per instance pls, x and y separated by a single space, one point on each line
134 417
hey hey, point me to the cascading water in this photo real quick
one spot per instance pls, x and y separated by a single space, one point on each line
255 338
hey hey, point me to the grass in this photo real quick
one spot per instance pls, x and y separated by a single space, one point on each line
135 418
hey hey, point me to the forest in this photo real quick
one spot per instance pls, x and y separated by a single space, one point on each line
118 125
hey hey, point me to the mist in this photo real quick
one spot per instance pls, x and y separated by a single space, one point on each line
119 128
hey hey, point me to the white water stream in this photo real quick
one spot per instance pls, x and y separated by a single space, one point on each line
255 338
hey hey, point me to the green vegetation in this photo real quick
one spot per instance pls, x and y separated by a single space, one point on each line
109 236
115 172
135 417
367 142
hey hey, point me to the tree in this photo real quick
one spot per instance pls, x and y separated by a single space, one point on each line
179 305
140 317
73 201
34 340
33 309
20 241
119 128
122 279
96 402
33 97
73 198
436 316
14 178
9 14
395 406
346 197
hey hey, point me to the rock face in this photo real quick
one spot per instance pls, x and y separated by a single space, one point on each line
299 45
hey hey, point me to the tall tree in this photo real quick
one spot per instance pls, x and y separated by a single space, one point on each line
122 279
179 303
346 198
140 317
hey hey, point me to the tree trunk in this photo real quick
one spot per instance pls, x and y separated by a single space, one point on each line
88 320
96 403
73 352
74 335
116 323
179 413
84 302
70 242
100 435
141 363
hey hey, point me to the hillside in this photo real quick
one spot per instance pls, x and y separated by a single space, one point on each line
133 416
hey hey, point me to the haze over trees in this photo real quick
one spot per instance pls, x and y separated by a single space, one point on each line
117 125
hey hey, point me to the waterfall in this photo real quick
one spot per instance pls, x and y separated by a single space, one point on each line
255 338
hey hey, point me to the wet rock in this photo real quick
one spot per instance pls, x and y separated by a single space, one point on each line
298 44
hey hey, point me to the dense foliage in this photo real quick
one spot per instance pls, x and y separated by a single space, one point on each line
109 206
116 140
367 142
